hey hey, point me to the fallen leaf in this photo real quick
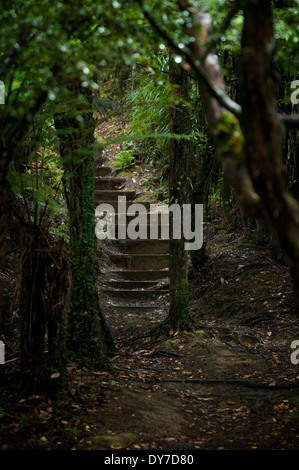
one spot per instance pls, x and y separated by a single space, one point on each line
55 375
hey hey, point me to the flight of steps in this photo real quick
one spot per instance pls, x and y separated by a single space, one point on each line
137 280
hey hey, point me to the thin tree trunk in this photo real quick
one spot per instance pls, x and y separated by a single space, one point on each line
43 301
178 193
33 307
202 162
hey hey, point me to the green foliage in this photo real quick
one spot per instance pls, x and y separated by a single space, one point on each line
149 104
36 181
149 114
124 159
286 35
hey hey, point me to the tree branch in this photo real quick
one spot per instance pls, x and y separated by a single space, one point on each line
224 125
233 11
195 65
289 120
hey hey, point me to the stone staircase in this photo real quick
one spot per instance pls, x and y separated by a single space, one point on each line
137 279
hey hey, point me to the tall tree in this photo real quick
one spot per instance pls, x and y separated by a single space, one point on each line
263 132
44 47
248 137
180 123
87 329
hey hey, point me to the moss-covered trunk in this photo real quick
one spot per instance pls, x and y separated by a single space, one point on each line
87 330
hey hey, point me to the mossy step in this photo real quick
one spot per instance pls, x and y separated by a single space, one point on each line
100 160
160 232
145 216
103 171
141 261
115 203
103 196
141 246
127 284
133 294
108 182
135 310
140 274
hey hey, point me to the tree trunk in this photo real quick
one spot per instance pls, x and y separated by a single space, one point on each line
33 307
201 165
87 329
178 193
263 132
251 156
43 301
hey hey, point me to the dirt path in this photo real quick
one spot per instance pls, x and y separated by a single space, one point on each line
228 383
218 387
212 388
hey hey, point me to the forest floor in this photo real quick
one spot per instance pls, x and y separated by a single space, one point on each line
226 383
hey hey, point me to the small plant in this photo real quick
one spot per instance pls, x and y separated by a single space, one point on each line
124 159
148 182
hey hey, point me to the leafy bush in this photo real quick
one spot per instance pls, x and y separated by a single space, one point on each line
148 102
124 159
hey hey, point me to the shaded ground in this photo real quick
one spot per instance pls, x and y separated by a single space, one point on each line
227 383
223 385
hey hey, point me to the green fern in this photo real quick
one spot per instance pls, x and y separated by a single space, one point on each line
124 159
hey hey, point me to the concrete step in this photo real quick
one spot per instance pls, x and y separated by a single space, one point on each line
133 294
140 275
133 287
141 262
146 217
143 231
107 182
122 232
121 284
142 246
112 195
135 310
100 160
103 171
115 203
